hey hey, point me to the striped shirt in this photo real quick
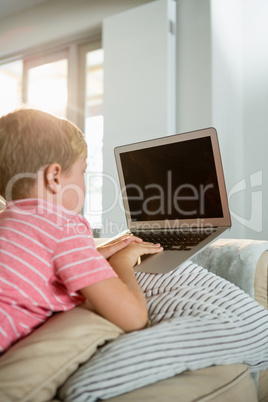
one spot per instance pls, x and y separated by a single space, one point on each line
47 254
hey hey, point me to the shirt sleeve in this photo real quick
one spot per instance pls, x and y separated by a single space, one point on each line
77 263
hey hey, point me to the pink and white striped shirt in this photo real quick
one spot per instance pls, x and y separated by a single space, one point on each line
47 254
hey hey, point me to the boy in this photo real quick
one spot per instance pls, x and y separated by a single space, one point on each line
48 261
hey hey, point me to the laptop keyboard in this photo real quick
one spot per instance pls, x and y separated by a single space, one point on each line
173 240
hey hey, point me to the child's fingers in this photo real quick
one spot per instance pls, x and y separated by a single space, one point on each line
126 237
150 248
124 241
136 239
113 248
148 244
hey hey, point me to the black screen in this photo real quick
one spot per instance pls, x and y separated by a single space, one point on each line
172 181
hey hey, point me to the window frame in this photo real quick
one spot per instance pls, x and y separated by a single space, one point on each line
83 49
75 49
36 61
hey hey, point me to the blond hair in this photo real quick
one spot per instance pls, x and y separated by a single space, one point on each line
31 139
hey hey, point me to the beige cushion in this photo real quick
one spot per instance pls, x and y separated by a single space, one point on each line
262 386
261 280
35 367
218 384
260 287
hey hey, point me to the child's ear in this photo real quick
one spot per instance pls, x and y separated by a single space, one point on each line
52 177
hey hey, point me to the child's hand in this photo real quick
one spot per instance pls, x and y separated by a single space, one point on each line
130 254
121 300
108 249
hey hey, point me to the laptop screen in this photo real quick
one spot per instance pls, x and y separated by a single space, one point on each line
172 181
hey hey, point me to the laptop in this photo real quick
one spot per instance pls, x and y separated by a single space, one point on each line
174 193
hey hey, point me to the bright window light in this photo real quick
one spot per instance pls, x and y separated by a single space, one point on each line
94 137
11 86
48 87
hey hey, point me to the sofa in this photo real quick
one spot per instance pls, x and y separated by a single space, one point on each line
48 364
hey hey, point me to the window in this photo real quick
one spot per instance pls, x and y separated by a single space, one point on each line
11 86
94 135
47 84
67 82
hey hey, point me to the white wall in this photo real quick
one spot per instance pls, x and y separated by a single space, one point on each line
222 59
240 104
227 96
255 103
56 20
194 85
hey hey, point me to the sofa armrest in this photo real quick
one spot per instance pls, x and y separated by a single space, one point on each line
260 287
235 260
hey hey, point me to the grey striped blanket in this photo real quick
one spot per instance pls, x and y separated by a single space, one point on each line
198 320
